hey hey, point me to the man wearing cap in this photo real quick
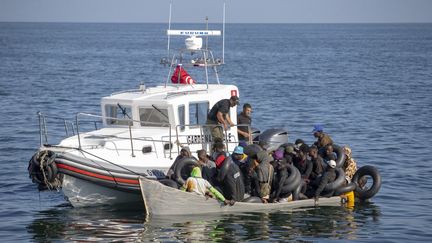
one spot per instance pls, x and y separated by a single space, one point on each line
244 163
219 115
323 139
328 177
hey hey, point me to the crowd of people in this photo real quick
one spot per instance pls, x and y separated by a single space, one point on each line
265 174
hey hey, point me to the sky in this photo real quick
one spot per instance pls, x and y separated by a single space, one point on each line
237 11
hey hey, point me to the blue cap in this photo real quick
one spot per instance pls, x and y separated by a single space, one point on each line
318 128
238 150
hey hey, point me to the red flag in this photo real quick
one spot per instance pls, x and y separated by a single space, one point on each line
185 78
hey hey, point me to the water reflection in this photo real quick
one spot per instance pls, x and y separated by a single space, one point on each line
106 224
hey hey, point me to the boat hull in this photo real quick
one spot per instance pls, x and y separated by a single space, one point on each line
83 193
160 200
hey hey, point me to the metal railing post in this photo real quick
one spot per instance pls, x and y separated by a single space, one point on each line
130 133
77 128
40 128
170 143
66 128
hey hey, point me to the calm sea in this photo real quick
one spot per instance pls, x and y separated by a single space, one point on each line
370 85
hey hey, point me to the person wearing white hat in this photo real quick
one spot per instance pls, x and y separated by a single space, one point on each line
328 177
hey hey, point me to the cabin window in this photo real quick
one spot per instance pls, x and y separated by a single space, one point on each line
153 117
181 116
198 113
121 113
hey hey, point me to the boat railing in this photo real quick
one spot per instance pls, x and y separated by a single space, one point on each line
130 123
75 128
206 137
69 126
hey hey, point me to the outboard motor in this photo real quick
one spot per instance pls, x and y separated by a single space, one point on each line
274 137
255 132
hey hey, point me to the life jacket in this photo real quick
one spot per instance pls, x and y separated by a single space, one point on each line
181 73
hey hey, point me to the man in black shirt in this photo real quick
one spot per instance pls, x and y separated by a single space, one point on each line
219 115
244 118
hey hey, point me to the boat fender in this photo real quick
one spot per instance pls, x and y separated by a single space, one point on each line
338 182
293 181
183 170
169 183
344 189
294 175
340 155
252 149
297 191
224 169
364 193
252 200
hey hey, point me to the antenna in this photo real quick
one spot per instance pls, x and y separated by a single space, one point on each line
223 36
169 28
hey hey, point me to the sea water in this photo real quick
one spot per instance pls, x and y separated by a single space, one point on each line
370 86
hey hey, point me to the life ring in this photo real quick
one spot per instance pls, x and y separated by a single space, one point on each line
338 182
340 155
169 183
364 193
344 189
183 169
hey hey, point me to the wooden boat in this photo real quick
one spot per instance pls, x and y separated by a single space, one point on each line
160 200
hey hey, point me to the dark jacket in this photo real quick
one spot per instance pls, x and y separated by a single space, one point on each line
231 181
328 177
243 119
317 168
279 178
305 167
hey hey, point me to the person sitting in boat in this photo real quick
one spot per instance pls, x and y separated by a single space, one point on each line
244 118
208 167
195 183
219 115
289 154
243 162
350 165
280 165
329 153
230 178
323 139
301 161
317 163
264 178
328 177
184 153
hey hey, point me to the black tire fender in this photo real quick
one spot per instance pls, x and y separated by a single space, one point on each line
252 200
183 164
338 182
372 171
252 149
169 183
340 155
344 189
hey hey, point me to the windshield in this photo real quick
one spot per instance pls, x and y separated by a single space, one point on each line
152 117
122 113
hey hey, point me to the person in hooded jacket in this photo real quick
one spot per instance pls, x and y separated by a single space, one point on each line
230 178
281 174
328 177
264 171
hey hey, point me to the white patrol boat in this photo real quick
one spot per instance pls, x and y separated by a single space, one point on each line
142 131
